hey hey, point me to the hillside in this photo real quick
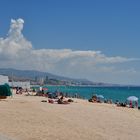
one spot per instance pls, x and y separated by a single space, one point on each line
31 75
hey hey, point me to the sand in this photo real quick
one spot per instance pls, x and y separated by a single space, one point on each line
27 118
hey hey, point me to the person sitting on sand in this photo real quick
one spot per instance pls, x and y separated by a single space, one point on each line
62 101
117 102
94 98
109 101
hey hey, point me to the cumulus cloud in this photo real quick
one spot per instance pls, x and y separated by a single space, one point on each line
17 52
14 44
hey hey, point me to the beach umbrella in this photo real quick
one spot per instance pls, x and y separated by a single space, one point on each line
132 98
100 96
5 90
45 89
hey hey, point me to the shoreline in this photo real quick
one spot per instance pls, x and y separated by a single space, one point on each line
101 86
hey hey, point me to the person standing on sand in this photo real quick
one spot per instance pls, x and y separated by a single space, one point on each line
136 104
130 104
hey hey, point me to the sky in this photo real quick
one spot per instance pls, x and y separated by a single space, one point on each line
97 40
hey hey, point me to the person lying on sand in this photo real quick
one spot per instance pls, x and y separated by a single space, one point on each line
60 100
52 101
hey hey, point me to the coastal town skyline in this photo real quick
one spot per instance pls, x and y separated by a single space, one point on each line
96 40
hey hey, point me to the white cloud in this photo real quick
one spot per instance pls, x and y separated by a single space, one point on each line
17 52
14 44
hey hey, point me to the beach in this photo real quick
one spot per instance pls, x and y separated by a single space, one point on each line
27 118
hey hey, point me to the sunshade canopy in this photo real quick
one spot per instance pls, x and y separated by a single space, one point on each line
5 90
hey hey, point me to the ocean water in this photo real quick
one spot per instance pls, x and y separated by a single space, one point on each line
114 93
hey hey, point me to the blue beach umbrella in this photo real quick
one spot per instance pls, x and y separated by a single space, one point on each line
100 96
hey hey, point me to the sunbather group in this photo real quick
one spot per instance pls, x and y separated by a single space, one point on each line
60 100
129 104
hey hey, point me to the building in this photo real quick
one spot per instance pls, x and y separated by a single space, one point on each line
3 79
24 85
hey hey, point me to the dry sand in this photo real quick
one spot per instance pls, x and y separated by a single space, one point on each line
27 118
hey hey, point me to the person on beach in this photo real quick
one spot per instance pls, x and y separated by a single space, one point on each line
62 101
93 99
136 104
130 104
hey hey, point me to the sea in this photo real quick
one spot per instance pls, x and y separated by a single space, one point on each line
86 92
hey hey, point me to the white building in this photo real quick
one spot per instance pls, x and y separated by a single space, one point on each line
24 85
3 79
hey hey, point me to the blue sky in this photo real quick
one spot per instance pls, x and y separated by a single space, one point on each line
109 26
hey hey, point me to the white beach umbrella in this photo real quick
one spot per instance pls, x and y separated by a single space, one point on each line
132 98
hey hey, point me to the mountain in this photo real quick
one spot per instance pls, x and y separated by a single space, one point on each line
32 74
